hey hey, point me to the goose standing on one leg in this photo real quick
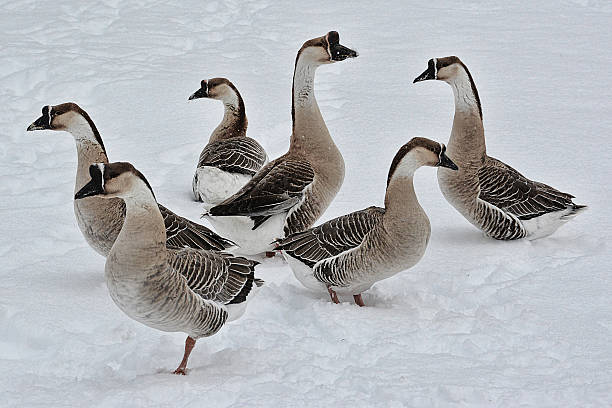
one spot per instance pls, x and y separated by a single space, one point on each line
492 195
230 159
290 193
348 254
100 220
174 290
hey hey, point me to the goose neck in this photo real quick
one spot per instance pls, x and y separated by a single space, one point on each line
467 136
400 197
89 149
310 135
234 122
141 243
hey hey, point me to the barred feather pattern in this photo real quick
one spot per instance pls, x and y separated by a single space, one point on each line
215 276
241 155
497 223
505 188
276 188
332 237
506 198
181 232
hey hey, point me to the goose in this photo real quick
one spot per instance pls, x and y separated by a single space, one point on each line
100 220
491 195
170 289
230 159
348 254
291 192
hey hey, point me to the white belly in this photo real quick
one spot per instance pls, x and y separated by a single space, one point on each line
239 230
545 224
211 185
303 273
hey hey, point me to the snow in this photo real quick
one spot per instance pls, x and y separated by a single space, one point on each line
476 323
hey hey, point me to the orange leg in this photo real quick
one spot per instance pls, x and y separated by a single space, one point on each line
358 300
189 343
333 295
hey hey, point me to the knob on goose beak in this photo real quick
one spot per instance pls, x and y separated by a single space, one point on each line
200 93
445 161
430 72
95 185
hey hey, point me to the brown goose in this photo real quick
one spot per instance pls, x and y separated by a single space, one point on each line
290 193
175 290
100 220
493 196
348 254
230 159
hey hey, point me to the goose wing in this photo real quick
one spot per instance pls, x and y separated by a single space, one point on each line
277 187
181 232
216 276
507 189
241 155
331 238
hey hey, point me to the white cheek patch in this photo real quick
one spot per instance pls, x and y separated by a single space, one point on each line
328 47
101 167
49 114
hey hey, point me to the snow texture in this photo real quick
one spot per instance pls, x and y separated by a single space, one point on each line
476 323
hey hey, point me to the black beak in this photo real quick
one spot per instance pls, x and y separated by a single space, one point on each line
90 189
95 185
445 161
40 124
340 52
200 93
430 73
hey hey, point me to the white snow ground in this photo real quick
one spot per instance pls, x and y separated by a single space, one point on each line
475 323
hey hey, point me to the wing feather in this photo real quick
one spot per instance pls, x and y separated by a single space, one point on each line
216 276
332 237
181 232
277 187
241 155
507 189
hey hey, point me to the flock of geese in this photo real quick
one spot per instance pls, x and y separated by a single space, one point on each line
175 275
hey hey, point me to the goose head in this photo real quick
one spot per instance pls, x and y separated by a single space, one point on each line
443 69
68 117
326 49
58 117
217 88
112 180
419 152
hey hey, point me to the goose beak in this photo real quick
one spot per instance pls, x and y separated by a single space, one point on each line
446 162
340 52
200 93
95 185
39 124
430 73
90 189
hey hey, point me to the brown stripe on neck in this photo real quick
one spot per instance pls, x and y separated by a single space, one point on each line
315 42
241 123
474 90
446 61
237 123
71 106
